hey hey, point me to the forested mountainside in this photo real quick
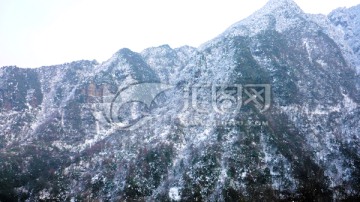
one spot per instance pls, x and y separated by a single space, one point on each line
267 111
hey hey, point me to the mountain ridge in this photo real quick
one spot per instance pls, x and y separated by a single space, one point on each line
62 134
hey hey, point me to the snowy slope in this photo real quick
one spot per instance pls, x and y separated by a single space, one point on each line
348 21
62 134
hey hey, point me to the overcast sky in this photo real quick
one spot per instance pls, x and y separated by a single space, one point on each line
46 32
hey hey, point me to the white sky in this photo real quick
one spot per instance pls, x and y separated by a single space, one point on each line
47 32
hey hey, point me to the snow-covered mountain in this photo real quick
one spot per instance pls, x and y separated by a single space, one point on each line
348 21
267 111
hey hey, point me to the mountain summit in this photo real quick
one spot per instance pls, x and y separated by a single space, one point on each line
267 111
281 15
275 7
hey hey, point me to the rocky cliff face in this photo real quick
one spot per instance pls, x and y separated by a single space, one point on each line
268 110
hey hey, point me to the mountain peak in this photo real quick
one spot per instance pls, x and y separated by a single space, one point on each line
276 14
281 4
279 8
